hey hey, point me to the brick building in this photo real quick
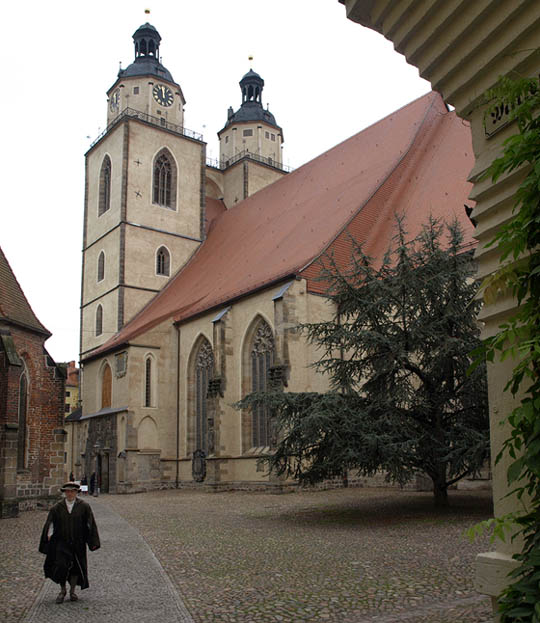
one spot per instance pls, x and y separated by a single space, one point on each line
31 404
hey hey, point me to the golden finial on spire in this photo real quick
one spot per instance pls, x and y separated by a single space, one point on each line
147 11
250 57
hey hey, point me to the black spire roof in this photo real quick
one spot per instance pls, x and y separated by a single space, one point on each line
146 39
251 109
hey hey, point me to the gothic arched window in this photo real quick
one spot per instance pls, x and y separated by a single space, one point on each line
201 368
204 365
163 262
164 180
22 433
101 267
105 186
99 320
106 386
261 359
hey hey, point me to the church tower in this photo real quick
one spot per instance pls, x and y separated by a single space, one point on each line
144 195
251 129
250 146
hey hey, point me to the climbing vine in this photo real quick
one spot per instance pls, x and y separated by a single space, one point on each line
518 243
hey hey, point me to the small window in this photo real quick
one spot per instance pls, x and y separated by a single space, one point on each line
163 262
247 133
99 320
106 386
226 139
104 186
101 267
148 383
267 135
135 90
68 394
273 137
66 408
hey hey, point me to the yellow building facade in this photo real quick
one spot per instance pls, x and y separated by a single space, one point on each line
197 274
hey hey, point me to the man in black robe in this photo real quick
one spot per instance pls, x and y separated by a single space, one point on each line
69 528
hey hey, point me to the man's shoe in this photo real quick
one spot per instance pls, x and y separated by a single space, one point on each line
61 596
72 596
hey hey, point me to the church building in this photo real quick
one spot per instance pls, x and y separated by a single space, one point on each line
196 273
31 404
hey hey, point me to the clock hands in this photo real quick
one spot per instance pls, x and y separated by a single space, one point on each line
163 95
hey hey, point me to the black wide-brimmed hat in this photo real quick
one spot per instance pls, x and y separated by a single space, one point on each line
71 486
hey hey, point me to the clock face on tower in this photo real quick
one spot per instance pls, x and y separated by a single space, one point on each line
163 95
114 102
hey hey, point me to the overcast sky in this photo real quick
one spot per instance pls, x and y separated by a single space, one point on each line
326 79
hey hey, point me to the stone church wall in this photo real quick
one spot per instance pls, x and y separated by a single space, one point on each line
44 457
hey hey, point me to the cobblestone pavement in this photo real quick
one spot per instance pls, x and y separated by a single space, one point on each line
124 571
347 556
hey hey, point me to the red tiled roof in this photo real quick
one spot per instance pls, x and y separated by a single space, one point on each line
14 307
416 159
431 179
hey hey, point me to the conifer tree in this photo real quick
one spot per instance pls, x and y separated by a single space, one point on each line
396 351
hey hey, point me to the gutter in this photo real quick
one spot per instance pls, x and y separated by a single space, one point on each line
177 480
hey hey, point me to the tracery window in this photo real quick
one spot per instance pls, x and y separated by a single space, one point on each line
104 186
22 433
204 364
262 357
164 180
99 320
101 267
163 261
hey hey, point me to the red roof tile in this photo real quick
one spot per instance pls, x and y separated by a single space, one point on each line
14 307
415 160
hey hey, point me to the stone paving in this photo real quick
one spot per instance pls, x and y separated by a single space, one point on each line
342 556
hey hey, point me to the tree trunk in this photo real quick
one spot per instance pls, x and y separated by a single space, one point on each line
440 487
441 495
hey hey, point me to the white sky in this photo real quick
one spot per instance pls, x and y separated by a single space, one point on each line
326 79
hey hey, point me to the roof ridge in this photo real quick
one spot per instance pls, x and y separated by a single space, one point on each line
384 179
433 95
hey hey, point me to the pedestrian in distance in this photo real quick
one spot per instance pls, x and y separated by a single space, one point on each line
92 483
69 528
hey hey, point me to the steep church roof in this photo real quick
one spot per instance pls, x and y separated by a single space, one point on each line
415 161
14 307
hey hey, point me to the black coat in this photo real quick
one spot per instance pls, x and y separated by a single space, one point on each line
67 545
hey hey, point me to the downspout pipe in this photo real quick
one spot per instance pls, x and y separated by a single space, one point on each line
177 481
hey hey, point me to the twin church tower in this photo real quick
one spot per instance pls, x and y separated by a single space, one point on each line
151 194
